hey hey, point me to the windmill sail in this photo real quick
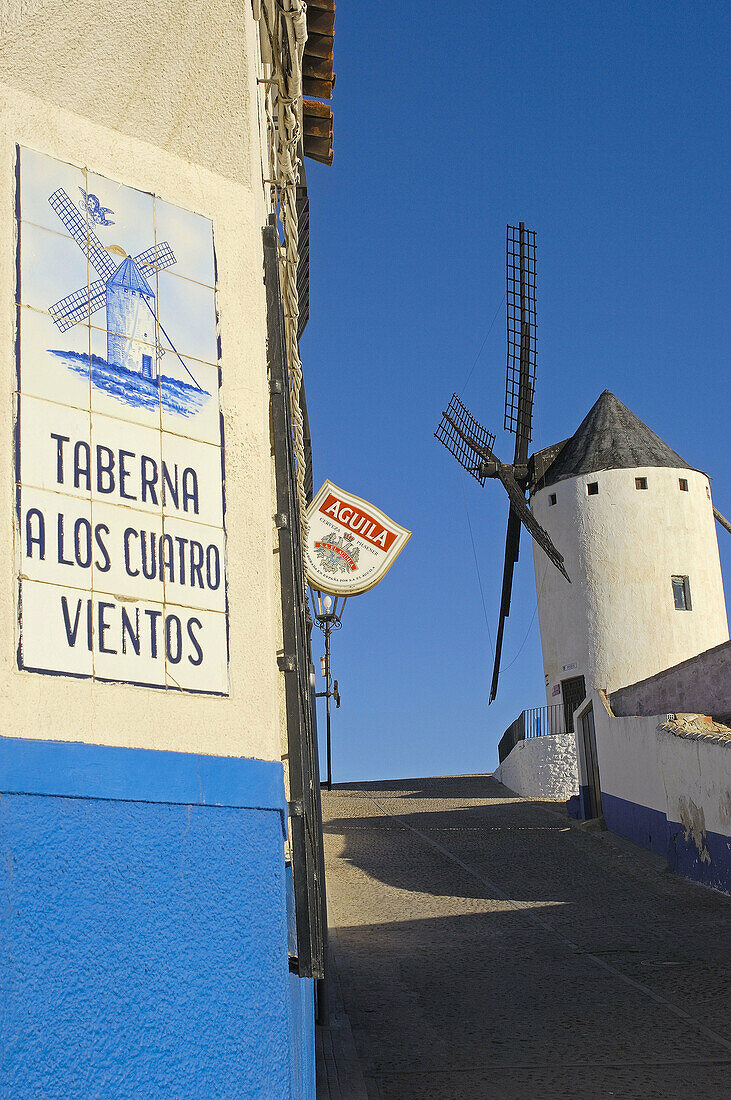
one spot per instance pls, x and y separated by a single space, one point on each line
466 439
512 545
82 233
519 506
155 259
79 306
520 380
471 444
721 520
519 514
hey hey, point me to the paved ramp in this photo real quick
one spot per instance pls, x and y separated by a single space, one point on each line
484 947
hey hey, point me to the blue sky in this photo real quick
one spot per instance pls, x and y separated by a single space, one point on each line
603 128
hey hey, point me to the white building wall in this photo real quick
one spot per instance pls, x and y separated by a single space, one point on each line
165 101
628 758
616 623
697 777
542 767
180 855
666 784
178 76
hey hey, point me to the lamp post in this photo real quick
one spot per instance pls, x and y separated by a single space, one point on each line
328 617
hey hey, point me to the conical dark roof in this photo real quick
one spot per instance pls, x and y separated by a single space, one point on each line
610 437
129 276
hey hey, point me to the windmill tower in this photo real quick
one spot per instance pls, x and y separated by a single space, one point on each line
634 523
131 322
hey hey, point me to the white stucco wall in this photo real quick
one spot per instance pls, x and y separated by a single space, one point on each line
161 97
628 757
542 767
697 778
641 760
616 623
180 76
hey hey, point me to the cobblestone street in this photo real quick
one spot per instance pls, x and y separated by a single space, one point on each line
483 946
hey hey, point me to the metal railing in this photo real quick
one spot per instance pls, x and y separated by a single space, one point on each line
534 722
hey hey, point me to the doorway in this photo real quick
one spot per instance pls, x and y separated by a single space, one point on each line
573 692
587 742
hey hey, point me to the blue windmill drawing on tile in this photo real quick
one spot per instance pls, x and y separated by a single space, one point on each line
131 370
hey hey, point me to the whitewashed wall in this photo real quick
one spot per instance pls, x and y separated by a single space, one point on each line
181 77
542 767
165 101
643 761
162 99
628 757
697 776
666 784
616 623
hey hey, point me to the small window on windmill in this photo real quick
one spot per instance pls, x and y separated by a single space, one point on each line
681 593
683 484
708 492
592 488
640 483
551 500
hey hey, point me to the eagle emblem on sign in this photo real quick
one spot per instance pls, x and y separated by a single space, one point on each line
338 554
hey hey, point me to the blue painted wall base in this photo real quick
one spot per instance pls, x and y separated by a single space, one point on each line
710 864
584 813
143 944
573 807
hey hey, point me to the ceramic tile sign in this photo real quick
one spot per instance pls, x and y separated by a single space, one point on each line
119 452
351 544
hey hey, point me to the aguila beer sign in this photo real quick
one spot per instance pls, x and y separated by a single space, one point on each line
351 544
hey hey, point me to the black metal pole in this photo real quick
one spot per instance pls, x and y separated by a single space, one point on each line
328 621
328 693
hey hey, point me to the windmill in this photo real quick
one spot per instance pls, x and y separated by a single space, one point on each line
122 288
471 444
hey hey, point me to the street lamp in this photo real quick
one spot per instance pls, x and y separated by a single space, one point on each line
328 615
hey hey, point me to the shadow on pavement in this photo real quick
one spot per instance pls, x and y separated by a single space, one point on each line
453 990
